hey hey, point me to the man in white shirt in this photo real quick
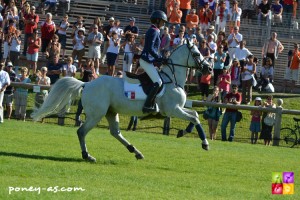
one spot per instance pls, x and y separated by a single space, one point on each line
241 53
233 41
4 82
94 40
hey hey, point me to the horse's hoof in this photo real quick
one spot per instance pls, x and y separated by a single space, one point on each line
205 147
139 156
86 156
180 133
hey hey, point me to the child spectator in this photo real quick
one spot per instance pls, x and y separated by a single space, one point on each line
267 73
204 85
112 53
78 46
235 72
128 47
224 81
53 48
62 34
34 44
21 95
43 79
255 121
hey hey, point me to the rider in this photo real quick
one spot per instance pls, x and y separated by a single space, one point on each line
150 55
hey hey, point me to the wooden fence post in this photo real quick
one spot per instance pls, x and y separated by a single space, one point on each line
277 126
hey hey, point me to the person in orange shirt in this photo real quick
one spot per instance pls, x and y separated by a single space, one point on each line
170 4
175 17
205 16
185 7
291 72
192 20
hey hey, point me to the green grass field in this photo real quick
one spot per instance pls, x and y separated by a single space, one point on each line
46 155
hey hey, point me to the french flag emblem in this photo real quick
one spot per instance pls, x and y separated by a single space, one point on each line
130 94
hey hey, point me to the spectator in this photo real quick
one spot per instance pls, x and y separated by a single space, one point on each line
248 72
11 13
204 85
53 48
97 21
267 73
169 5
234 41
292 69
9 92
116 28
112 53
175 17
78 47
263 12
276 9
223 14
199 35
212 46
266 131
106 30
272 48
31 21
65 5
204 50
78 25
235 72
62 34
131 28
43 79
54 69
219 60
255 121
94 40
242 53
47 31
128 47
172 35
69 70
224 82
4 83
205 16
138 49
15 48
211 31
165 43
9 32
34 44
179 40
185 7
288 11
230 114
214 120
21 95
235 15
248 10
220 38
192 20
51 6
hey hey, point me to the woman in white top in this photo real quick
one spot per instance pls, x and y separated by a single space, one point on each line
127 46
15 48
248 72
78 48
62 34
112 53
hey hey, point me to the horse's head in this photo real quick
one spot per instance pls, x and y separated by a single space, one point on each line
197 60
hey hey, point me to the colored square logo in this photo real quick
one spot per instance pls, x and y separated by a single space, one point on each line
277 188
276 177
288 177
288 188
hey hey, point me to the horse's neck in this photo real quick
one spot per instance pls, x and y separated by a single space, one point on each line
179 71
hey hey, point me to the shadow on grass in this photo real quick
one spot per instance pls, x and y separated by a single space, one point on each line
39 157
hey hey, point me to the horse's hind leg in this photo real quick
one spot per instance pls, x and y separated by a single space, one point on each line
113 120
192 116
82 132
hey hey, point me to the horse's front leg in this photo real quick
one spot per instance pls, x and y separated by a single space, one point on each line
192 116
113 120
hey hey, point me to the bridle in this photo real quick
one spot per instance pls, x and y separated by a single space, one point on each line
195 56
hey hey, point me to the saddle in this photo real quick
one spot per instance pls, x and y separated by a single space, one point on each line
145 81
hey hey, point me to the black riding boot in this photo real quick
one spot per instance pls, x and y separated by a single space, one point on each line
149 105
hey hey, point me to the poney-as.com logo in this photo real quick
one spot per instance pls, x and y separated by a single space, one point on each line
283 183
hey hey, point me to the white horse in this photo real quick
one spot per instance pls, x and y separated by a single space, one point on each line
105 97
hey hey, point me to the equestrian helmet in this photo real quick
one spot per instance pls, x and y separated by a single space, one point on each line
158 14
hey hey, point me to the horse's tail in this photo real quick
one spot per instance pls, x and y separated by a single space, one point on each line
60 94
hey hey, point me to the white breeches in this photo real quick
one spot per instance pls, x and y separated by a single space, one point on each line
151 71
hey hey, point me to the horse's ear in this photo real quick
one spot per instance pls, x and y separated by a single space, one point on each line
188 42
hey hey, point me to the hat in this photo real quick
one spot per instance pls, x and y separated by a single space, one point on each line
211 27
9 64
235 59
111 19
258 99
132 19
32 7
193 36
80 29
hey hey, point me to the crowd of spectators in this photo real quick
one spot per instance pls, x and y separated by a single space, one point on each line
204 25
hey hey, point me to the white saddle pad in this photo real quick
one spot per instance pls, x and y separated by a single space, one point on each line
134 91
